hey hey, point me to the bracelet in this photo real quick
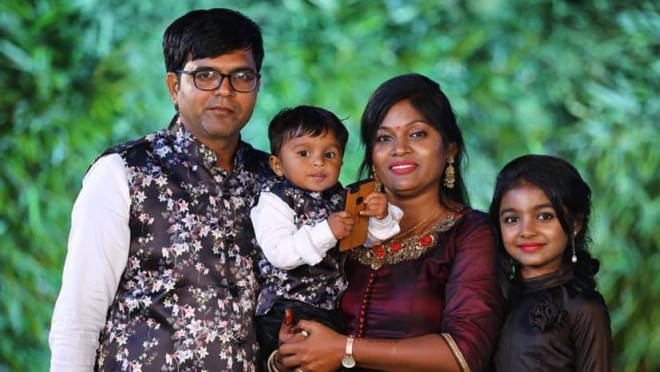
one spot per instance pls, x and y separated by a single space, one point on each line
270 364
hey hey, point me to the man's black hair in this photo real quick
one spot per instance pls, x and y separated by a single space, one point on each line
209 33
304 120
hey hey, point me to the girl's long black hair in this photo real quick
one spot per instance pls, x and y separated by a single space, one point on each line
570 197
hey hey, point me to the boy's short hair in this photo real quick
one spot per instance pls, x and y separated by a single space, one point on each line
304 120
209 33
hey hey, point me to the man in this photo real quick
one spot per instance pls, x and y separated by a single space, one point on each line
161 269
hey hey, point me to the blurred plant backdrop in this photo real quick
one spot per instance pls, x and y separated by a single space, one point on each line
579 79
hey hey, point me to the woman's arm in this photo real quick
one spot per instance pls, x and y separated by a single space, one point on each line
324 349
473 302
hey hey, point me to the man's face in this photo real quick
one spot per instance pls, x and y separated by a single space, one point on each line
214 117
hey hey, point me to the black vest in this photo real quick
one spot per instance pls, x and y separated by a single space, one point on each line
319 285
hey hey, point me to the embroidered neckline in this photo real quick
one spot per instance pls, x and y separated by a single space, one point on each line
405 249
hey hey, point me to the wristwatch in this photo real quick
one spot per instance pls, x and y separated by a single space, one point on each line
347 361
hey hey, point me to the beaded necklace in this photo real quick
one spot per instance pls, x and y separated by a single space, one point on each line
399 250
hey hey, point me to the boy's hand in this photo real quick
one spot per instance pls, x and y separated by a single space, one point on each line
341 224
376 205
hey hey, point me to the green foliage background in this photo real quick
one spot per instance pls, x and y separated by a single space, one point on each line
578 79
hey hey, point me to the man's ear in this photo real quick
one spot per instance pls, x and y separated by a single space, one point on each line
172 82
276 165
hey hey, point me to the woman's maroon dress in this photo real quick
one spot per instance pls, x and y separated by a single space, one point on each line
450 290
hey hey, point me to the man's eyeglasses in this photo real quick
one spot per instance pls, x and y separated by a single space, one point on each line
240 81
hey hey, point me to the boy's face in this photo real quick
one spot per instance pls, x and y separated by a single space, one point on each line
310 163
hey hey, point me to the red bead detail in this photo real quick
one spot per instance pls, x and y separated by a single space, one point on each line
365 297
425 241
395 247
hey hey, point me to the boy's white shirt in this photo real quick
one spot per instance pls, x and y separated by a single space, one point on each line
287 247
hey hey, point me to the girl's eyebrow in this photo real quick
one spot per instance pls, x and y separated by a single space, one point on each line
507 210
543 206
536 207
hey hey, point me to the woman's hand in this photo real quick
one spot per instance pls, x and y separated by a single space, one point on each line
289 332
321 350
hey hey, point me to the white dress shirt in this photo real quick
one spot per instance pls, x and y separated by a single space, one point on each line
97 252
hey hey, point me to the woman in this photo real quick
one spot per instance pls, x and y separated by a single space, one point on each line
427 299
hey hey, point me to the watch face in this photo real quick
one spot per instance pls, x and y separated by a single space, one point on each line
348 361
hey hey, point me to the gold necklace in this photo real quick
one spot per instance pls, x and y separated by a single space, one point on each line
399 250
424 222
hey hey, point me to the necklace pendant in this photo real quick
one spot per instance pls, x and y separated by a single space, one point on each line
376 265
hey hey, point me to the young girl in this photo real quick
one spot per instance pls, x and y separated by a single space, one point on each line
557 321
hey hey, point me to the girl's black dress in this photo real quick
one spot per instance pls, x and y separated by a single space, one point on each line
556 324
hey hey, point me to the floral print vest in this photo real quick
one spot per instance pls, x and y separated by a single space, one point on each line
319 285
187 297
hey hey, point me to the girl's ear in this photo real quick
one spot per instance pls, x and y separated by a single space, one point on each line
276 165
577 224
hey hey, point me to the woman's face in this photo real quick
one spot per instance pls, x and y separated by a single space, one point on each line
408 154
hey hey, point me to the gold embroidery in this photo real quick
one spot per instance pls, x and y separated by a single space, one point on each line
404 250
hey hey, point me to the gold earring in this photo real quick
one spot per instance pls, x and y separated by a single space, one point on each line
450 174
378 186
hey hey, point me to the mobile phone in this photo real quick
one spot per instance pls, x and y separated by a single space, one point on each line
354 196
